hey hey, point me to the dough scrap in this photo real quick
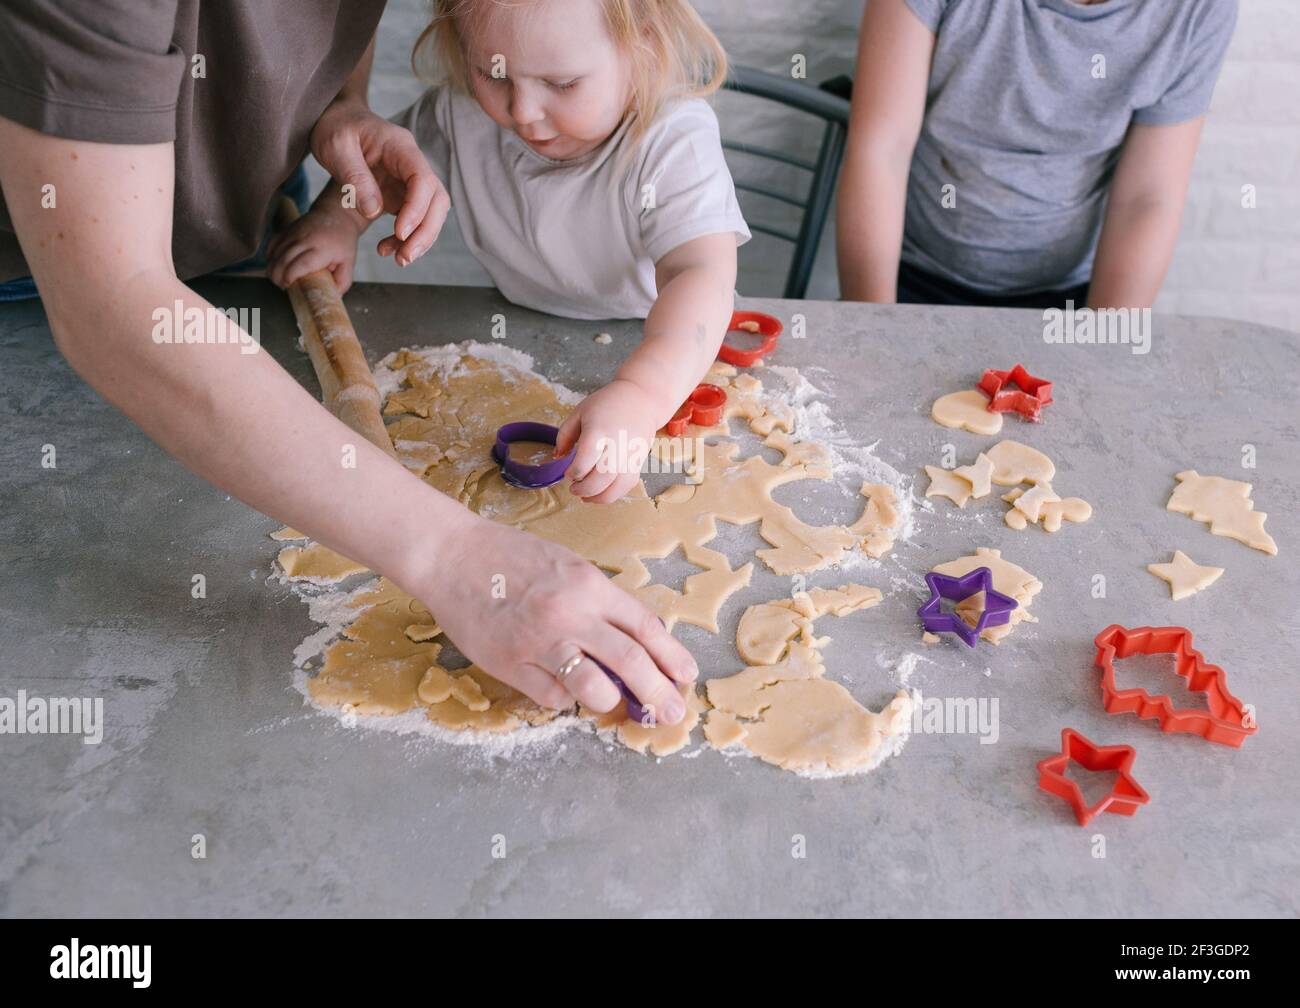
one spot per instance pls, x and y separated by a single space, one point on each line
1185 576
966 410
766 630
880 521
316 563
979 475
1030 503
1226 505
783 710
1052 512
1015 463
659 739
444 416
1008 579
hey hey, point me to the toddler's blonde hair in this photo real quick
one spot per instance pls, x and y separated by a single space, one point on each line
674 54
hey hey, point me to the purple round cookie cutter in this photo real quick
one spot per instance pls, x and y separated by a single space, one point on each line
521 474
997 607
635 711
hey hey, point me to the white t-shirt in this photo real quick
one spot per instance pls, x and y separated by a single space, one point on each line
578 238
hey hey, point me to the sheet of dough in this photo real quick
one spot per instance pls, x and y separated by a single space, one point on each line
387 660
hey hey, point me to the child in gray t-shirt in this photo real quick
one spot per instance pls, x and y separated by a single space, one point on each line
1023 151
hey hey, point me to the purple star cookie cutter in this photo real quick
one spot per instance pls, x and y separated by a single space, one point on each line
521 474
997 607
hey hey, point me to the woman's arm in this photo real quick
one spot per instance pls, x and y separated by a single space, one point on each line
889 88
1144 209
102 262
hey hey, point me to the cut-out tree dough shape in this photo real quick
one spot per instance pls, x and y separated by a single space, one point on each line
782 709
1008 579
453 399
1185 576
966 410
1226 505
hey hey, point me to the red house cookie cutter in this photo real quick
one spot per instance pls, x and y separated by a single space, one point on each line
1028 397
767 326
1227 722
703 408
1124 798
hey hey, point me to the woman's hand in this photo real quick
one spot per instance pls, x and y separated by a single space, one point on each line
521 607
390 174
613 428
320 239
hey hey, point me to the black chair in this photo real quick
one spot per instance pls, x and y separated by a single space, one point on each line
828 106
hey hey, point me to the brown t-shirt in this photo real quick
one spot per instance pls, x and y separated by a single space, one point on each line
129 72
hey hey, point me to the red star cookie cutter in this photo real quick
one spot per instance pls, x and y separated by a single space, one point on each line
1028 397
767 326
1227 722
703 407
1124 797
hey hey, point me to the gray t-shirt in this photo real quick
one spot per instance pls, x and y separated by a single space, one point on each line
578 238
1021 122
128 72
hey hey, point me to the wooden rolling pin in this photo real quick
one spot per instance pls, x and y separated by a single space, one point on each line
348 389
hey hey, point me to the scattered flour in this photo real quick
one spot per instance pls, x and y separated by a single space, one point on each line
445 361
813 421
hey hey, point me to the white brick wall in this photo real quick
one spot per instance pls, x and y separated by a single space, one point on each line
1230 261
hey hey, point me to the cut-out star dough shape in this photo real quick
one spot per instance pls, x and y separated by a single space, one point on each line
966 410
1226 505
961 484
946 483
979 475
1185 576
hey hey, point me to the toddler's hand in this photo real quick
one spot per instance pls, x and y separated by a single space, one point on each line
320 239
613 428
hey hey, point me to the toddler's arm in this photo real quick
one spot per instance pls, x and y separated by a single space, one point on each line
1143 212
696 283
889 88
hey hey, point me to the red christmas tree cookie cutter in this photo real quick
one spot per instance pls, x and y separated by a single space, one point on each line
760 323
703 407
1124 798
1027 398
1227 721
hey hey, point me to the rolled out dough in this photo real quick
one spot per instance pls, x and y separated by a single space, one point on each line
447 411
782 709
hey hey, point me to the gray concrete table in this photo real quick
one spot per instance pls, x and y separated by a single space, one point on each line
302 816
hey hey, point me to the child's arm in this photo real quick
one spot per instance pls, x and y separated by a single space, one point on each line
1143 212
685 327
889 88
